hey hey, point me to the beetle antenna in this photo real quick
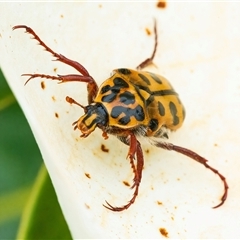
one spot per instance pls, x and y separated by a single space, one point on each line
72 101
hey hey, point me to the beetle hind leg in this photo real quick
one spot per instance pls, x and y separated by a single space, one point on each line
198 158
134 149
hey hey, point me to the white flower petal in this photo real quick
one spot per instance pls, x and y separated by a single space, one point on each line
198 52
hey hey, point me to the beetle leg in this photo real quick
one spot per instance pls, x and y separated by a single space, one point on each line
85 77
134 148
104 135
59 57
199 159
149 61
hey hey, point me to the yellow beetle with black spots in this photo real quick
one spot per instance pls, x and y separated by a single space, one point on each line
141 101
130 103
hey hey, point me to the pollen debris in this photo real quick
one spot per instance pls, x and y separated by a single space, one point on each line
56 115
126 183
43 86
87 206
87 175
148 31
161 4
147 151
164 232
104 149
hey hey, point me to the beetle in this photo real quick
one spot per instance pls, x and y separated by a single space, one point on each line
130 103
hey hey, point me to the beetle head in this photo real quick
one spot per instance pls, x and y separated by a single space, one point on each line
95 116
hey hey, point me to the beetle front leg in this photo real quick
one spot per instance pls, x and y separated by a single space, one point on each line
59 57
134 149
91 85
85 77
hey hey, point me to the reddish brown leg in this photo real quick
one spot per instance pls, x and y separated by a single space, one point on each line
85 77
134 148
199 159
149 61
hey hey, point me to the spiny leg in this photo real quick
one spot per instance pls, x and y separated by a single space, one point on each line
199 159
59 57
149 61
85 77
134 148
60 78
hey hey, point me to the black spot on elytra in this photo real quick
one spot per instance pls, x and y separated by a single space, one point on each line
109 98
149 100
144 78
124 71
173 111
119 82
161 109
115 89
155 77
153 124
127 98
164 92
137 113
124 120
105 89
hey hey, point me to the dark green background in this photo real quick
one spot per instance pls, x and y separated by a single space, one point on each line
20 161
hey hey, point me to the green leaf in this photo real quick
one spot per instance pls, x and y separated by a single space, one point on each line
20 160
12 203
43 218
